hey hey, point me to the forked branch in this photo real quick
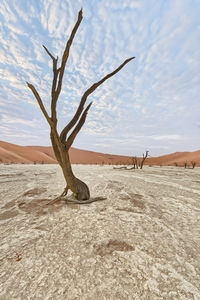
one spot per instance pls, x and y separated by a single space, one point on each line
143 159
78 127
56 88
66 54
89 91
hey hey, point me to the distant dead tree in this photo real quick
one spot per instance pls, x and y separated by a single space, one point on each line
193 164
135 162
143 159
62 142
176 164
185 164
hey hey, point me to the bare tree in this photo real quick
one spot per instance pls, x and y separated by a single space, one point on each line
185 165
193 164
143 159
62 142
135 162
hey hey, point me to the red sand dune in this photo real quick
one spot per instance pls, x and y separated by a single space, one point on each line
178 158
10 153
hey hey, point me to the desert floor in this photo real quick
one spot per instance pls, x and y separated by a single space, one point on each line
142 242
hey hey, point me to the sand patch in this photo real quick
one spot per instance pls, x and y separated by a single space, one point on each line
111 246
34 192
8 214
39 206
9 204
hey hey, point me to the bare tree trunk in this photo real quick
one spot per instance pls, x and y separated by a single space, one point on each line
135 162
61 143
78 187
143 160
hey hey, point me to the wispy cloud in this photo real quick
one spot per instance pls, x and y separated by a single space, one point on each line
172 137
152 103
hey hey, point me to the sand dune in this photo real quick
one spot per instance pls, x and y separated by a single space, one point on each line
10 153
178 157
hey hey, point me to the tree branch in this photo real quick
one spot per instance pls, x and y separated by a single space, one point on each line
66 54
39 100
54 83
78 127
48 52
80 108
144 157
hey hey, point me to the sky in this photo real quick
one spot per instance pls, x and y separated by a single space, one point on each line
152 104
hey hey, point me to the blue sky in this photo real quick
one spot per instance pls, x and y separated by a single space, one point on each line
152 104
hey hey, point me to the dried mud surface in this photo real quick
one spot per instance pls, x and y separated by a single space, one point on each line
142 242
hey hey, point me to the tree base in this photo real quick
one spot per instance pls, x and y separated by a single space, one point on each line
73 199
64 193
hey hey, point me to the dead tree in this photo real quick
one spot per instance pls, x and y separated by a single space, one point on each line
62 142
143 159
193 164
135 162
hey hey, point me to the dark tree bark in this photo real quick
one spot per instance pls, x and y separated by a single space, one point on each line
135 162
143 159
61 143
